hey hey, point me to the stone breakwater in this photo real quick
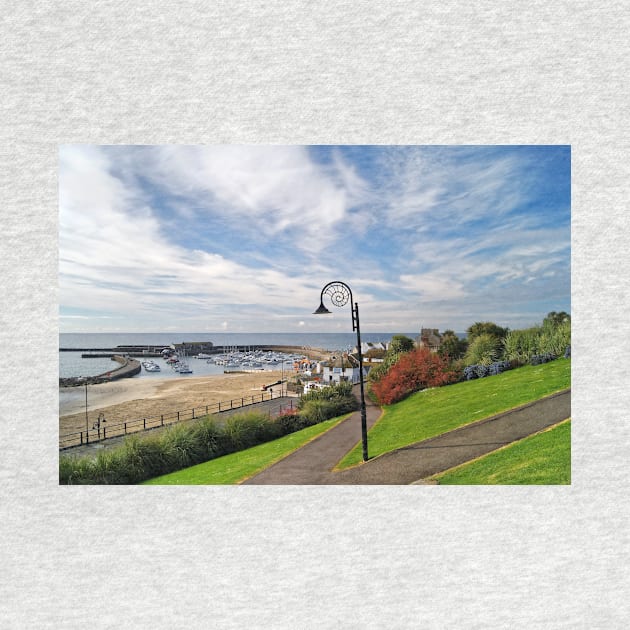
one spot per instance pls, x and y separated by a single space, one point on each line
128 367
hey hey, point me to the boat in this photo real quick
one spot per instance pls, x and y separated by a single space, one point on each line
182 367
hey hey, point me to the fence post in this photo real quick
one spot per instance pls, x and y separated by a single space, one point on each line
162 420
104 433
125 428
193 415
144 423
178 416
81 438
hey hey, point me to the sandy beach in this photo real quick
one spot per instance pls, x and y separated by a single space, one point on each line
133 398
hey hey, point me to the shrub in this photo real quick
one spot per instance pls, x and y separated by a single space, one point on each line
247 429
537 359
139 458
180 447
550 338
414 371
208 434
556 339
315 411
291 421
328 402
483 350
521 345
177 447
331 392
481 371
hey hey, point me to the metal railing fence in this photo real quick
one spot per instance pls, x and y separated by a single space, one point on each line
103 429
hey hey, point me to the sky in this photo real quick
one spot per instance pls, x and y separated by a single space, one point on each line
237 238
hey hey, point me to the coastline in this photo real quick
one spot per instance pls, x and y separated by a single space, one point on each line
134 398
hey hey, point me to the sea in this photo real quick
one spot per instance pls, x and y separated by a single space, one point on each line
72 364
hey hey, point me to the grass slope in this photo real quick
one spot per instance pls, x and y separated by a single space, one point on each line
236 467
543 458
435 411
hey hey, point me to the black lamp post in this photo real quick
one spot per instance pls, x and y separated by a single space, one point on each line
340 293
87 427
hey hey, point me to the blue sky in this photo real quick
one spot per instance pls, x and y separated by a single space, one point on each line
238 238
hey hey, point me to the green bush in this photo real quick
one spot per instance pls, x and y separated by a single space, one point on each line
328 402
316 411
248 429
182 445
331 392
522 345
556 339
142 457
291 422
177 447
208 434
484 349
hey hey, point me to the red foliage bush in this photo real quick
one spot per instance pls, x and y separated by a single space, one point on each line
414 371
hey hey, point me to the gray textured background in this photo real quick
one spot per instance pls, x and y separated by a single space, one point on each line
302 73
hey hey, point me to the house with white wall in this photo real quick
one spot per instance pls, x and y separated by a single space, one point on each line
342 369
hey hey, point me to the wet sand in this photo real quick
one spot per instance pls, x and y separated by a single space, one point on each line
133 398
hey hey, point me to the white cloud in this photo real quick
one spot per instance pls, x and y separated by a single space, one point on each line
437 231
273 189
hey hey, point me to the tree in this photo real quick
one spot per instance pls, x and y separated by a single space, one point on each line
554 319
486 328
452 346
401 343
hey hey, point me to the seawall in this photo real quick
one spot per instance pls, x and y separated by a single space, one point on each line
128 367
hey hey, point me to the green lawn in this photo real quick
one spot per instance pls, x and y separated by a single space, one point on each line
543 458
236 467
435 411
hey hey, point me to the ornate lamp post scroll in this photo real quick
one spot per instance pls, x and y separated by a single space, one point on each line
340 294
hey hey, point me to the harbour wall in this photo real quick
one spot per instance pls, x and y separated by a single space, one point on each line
128 367
192 349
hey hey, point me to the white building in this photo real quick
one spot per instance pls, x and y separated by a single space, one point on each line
343 369
366 346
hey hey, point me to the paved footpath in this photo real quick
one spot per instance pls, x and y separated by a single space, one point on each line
312 464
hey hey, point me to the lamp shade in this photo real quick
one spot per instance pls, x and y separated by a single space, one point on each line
322 310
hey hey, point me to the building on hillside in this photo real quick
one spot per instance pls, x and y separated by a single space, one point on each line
366 346
343 368
429 338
